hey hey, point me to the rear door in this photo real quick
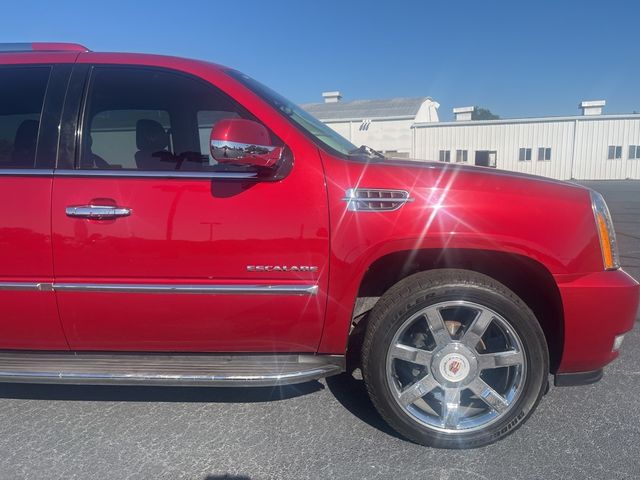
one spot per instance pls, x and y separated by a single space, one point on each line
31 97
172 272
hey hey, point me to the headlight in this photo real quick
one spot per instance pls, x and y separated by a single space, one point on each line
607 234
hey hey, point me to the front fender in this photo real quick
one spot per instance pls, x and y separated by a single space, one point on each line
548 222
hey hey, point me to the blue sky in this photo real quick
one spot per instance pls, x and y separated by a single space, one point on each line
517 58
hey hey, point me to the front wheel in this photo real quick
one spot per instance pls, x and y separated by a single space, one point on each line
454 359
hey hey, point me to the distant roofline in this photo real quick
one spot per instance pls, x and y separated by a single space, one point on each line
572 118
343 111
369 117
344 102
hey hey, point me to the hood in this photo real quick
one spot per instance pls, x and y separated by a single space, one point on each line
470 169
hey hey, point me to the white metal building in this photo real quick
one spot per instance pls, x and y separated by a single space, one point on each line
590 146
384 125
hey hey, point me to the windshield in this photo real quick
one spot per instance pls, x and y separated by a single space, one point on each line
300 117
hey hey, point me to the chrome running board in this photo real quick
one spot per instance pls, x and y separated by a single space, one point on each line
219 370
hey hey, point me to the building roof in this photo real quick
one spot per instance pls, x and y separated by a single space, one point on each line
503 121
366 109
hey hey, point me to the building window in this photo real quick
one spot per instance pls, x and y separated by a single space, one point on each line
462 156
615 152
445 156
525 155
544 154
634 152
486 158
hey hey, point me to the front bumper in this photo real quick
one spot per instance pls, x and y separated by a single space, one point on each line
597 307
579 378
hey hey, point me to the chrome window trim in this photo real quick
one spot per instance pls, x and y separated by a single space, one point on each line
155 174
253 289
36 172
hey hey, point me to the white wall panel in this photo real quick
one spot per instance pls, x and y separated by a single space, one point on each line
589 160
383 135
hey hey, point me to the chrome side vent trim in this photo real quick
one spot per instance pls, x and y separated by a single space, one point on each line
375 199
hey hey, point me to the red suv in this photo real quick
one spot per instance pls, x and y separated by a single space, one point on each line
172 221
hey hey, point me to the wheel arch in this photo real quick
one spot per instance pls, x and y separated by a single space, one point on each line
527 278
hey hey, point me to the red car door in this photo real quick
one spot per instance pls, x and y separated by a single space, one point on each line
170 267
28 124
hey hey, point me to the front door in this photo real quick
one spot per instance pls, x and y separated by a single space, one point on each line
168 267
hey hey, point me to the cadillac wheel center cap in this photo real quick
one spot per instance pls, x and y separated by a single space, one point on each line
454 367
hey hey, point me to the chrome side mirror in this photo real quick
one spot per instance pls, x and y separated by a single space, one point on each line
238 141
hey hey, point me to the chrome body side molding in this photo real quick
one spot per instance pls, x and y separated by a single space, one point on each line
26 286
191 289
222 370
201 289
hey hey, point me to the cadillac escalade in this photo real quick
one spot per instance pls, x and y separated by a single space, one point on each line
172 221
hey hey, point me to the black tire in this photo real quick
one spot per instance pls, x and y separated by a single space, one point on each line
424 289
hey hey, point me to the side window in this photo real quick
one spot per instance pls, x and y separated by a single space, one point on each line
151 119
22 91
113 142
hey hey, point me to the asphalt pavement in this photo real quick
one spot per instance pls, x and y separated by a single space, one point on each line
318 430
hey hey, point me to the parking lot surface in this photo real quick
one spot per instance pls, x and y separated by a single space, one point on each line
326 429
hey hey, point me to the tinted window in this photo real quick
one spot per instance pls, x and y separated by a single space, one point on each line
22 91
113 137
149 119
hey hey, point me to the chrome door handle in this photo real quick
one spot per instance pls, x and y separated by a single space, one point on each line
97 212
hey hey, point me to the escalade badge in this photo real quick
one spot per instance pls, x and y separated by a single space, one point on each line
282 268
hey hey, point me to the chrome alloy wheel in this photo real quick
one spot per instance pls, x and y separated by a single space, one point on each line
456 366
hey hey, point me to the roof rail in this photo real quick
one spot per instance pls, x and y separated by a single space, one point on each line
42 47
